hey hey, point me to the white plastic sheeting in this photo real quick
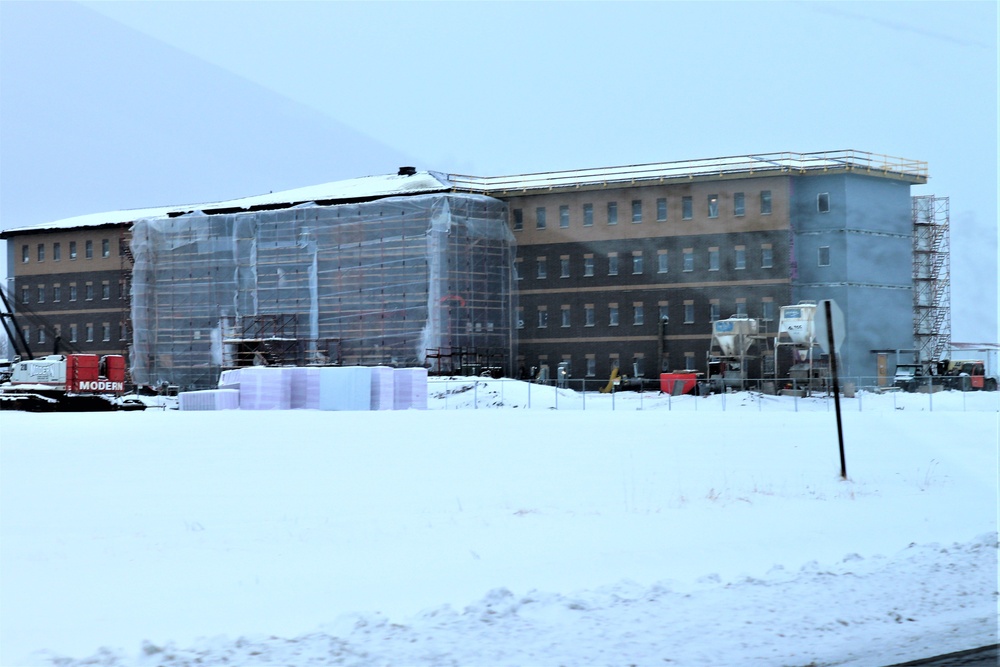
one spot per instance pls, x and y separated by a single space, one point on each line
210 399
410 389
374 283
383 394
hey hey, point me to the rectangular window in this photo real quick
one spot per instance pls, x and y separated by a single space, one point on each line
766 256
520 317
57 293
713 259
518 268
89 291
72 249
543 318
25 254
713 206
689 361
89 249
661 209
824 255
613 264
638 314
518 219
636 210
565 316
662 263
588 315
41 294
741 308
122 289
689 312
564 266
105 248
90 333
106 331
767 310
72 333
540 217
41 252
41 336
591 366
637 262
823 202
688 259
664 311
588 215
613 314
687 208
741 257
106 290
713 310
25 295
765 202
122 331
588 265
563 217
56 251
541 271
72 291
739 204
612 213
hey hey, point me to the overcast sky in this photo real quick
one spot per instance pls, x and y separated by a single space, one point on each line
111 105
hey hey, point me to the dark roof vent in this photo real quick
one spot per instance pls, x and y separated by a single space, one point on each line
407 171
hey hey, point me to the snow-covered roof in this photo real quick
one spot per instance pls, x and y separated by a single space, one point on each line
354 189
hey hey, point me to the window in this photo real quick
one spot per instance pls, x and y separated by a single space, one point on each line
72 291
122 331
25 295
739 204
105 290
123 290
41 252
56 251
72 333
741 308
588 265
664 312
637 262
565 316
662 263
105 248
713 310
563 217
823 202
106 331
25 254
520 317
824 255
72 249
540 217
89 291
713 206
688 259
90 333
518 219
518 269
588 215
713 259
613 264
689 312
689 361
613 314
89 249
588 315
661 209
41 294
543 318
687 208
541 271
767 310
636 210
591 366
766 256
741 257
564 266
765 202
638 314
57 293
612 213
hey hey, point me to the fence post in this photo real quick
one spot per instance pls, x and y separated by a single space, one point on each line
583 393
555 388
930 394
529 394
475 394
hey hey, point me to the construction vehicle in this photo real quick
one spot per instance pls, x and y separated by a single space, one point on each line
968 375
727 354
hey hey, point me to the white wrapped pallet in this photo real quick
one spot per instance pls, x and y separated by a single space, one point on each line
211 399
345 388
305 388
383 393
264 388
410 389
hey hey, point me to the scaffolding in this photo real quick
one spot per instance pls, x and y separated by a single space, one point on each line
931 277
373 283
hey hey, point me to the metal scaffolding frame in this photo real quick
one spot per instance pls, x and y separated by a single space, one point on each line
931 276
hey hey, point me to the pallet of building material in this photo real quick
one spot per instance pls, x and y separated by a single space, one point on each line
345 388
383 388
210 399
410 389
305 388
265 388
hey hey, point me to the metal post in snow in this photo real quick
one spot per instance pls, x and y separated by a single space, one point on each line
836 388
475 393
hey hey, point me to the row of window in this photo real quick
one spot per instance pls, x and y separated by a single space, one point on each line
612 262
71 292
661 208
74 331
639 313
88 250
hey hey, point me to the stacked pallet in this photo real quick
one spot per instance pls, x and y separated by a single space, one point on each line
210 399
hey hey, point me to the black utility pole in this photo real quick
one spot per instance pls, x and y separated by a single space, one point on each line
836 387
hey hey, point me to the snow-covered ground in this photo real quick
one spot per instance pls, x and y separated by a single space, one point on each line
675 534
